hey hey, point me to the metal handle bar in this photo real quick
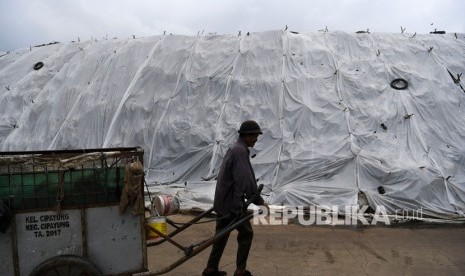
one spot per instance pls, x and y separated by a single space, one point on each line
191 251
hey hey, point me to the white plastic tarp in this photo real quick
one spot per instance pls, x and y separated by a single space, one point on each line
333 126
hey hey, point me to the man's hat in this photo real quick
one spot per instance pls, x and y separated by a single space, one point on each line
250 127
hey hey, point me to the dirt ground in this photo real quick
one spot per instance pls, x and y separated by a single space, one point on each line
409 249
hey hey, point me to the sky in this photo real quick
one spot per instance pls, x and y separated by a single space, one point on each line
25 23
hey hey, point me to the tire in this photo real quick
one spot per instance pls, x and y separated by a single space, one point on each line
399 84
66 265
38 65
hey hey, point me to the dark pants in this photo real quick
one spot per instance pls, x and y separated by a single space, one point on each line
244 242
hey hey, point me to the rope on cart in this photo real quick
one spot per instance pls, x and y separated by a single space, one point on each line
148 192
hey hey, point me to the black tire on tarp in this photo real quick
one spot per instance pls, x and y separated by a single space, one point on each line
399 84
66 265
38 65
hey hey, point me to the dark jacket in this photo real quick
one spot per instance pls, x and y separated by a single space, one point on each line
236 180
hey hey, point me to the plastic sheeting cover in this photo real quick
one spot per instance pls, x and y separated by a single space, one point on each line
333 126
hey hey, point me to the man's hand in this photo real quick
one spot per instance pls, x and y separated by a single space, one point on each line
260 200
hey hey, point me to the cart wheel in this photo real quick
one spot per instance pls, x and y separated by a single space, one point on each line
66 265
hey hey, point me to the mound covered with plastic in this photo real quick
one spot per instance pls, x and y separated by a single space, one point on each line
342 115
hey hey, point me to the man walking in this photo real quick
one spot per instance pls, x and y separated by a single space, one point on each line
236 183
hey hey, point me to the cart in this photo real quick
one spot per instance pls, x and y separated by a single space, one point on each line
66 218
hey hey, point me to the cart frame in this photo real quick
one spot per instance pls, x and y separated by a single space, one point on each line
65 207
194 249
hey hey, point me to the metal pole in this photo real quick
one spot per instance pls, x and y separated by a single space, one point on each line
186 225
199 249
185 249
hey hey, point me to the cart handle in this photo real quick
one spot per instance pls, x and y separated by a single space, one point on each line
191 252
